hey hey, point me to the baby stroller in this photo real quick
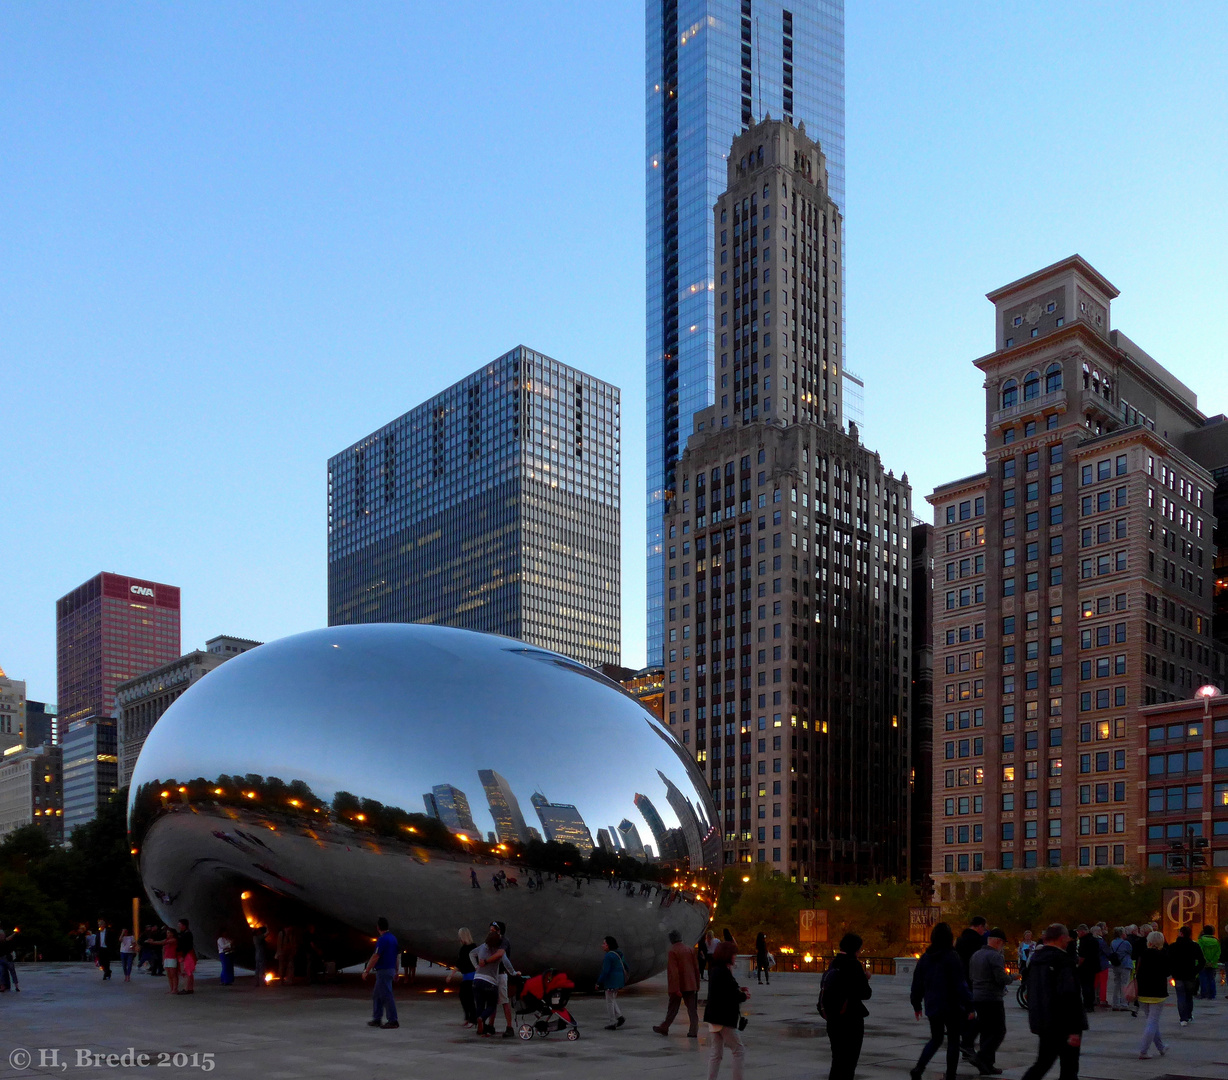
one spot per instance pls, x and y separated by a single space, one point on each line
542 1001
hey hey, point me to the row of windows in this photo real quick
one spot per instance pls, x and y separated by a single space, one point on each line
1088 856
1185 761
1104 469
1031 520
1031 383
1031 461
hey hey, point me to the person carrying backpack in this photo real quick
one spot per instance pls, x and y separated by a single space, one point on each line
844 989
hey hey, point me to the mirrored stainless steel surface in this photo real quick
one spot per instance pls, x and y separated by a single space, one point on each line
438 777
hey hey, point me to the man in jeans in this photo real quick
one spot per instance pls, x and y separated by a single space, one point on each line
1055 1006
987 970
384 962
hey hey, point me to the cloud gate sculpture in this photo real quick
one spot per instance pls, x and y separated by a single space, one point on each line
439 777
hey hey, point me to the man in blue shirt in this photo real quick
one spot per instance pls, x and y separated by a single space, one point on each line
384 962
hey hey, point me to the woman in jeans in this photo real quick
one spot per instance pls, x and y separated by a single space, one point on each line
723 1011
487 958
1151 979
613 978
127 953
464 968
1121 969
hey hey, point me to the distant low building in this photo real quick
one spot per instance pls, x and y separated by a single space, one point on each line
12 712
141 701
91 769
31 791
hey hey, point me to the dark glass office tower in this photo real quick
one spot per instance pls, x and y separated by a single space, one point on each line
713 67
494 506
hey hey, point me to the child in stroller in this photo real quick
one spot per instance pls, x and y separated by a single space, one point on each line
544 998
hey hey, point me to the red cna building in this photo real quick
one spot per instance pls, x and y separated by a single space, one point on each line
107 630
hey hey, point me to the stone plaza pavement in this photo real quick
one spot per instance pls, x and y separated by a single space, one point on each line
320 1031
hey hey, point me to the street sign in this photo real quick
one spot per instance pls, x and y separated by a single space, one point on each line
811 927
921 922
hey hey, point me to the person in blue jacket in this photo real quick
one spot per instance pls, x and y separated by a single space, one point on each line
940 986
613 978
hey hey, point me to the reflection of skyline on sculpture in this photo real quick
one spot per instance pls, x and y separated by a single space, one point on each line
563 823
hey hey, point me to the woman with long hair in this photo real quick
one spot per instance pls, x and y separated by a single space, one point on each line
940 986
763 959
464 968
722 1014
1151 981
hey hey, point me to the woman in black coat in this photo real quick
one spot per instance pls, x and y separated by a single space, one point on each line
845 989
939 984
723 1010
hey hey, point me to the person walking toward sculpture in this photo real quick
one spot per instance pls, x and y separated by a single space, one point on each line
383 963
127 953
989 982
940 987
842 996
1151 981
1185 961
723 1013
1055 1005
682 986
613 978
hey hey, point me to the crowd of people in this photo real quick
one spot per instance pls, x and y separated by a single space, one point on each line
959 984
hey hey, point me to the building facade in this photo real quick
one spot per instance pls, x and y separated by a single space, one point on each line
510 825
1185 746
31 791
1073 586
494 506
712 68
562 823
91 770
107 630
12 712
140 702
921 825
42 725
786 590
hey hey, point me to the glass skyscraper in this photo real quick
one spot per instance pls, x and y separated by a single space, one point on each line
712 67
494 506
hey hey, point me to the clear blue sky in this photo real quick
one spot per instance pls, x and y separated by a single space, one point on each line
236 237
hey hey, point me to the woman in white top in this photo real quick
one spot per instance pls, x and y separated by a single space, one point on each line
127 953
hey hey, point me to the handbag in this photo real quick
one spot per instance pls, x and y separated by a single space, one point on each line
742 1022
1131 993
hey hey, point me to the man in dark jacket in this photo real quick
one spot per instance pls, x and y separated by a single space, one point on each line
1089 965
969 943
1055 1006
989 983
845 989
1185 961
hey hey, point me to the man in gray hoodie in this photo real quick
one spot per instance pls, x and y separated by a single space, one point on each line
989 978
